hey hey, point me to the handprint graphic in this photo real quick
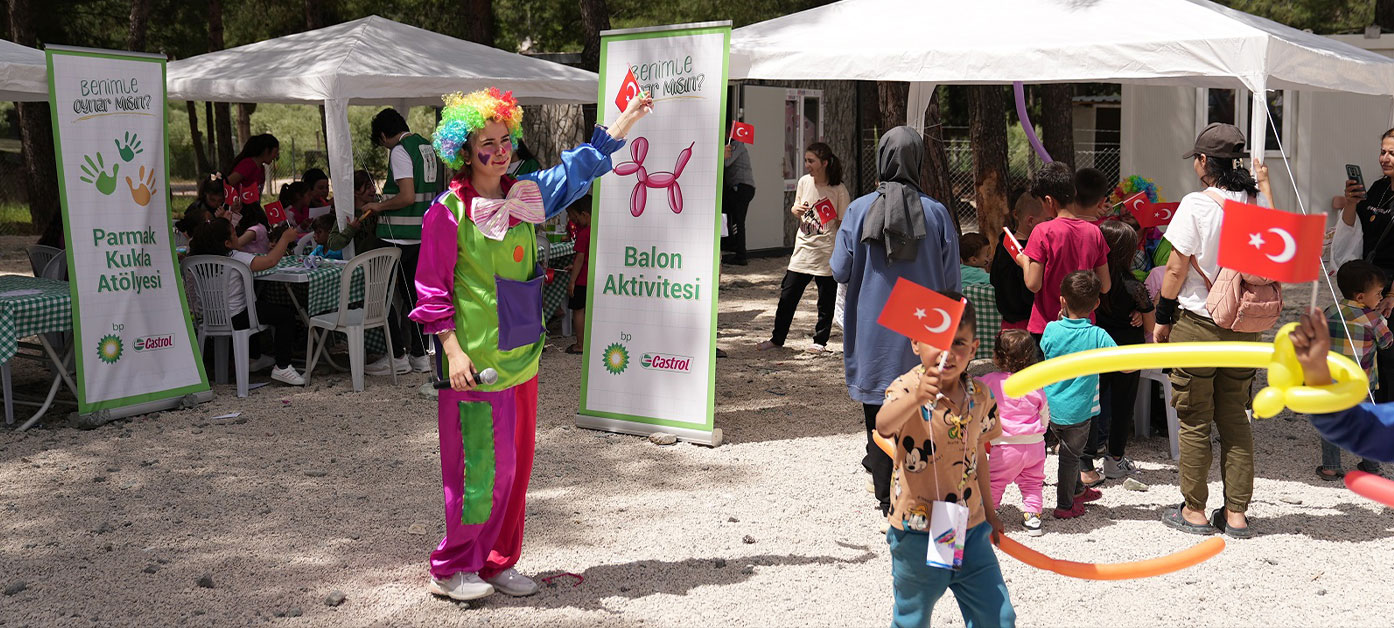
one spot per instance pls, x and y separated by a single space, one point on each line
130 148
95 173
141 195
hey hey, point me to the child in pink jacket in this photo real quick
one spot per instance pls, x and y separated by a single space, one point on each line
1019 455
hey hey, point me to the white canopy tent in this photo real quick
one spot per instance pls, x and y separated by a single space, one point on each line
369 61
1167 42
23 73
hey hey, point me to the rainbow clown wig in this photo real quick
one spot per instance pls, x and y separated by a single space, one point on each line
466 113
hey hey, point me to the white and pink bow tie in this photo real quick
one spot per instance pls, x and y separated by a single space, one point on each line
493 216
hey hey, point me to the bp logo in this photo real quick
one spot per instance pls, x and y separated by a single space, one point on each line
109 349
615 358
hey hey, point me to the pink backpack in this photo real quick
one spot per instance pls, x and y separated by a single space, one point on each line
1240 301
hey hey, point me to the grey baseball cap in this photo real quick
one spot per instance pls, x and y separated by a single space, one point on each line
1219 140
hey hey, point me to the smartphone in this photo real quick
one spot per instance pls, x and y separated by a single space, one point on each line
1353 174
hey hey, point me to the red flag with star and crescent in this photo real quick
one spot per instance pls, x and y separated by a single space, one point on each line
1271 243
921 314
629 90
1147 213
742 132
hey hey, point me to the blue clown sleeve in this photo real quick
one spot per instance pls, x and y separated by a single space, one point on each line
563 184
1367 430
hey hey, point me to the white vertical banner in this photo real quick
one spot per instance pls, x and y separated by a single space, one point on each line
132 330
650 355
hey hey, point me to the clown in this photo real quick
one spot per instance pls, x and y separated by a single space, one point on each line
479 290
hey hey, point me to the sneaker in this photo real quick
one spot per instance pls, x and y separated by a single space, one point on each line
816 349
287 375
1118 468
1089 495
1076 510
461 586
1033 524
261 364
420 363
386 365
510 582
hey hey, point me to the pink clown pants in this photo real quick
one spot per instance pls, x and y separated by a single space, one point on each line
1022 464
486 449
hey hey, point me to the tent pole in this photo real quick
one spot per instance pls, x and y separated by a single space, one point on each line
340 158
1258 119
917 104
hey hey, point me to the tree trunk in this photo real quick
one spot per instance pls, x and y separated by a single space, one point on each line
595 17
314 14
987 130
140 25
36 143
934 173
479 21
1058 121
244 121
891 96
200 157
222 127
212 141
1384 15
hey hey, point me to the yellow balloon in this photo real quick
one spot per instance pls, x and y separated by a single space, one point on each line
1285 378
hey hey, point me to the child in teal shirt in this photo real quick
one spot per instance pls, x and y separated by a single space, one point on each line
1074 402
974 254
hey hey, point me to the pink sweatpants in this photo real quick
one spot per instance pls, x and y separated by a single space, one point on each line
486 450
1022 464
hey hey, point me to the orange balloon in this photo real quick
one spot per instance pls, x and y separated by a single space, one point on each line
1190 557
1371 486
884 444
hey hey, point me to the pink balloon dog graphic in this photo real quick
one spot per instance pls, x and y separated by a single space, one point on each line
638 150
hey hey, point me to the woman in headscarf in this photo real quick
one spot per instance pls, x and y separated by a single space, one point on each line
896 231
479 290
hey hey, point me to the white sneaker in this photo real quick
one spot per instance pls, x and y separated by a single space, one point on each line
419 363
1120 468
386 364
817 349
510 582
287 375
1033 524
461 586
261 364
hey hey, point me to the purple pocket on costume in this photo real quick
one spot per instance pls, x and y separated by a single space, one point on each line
520 312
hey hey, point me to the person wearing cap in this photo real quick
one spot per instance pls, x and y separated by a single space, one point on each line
1209 395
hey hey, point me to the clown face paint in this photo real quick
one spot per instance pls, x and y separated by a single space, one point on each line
491 148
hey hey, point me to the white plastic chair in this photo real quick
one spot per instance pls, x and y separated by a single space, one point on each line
305 244
56 268
210 276
1142 410
40 255
379 268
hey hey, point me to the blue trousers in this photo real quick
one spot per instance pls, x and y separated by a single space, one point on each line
978 585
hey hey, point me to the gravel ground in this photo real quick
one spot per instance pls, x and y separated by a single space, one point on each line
176 518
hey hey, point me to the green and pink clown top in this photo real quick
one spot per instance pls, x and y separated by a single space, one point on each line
484 281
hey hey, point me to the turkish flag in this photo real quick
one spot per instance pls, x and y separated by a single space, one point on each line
229 193
250 193
275 213
1013 247
1279 245
921 314
629 90
1147 213
826 212
742 132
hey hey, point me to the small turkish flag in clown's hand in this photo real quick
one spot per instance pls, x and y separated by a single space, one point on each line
629 90
1271 243
921 314
742 132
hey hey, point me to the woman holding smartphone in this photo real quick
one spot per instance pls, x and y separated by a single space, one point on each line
1372 213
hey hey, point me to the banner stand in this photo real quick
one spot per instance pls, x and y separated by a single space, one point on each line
93 420
713 438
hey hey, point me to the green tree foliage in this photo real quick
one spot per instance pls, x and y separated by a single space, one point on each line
1319 16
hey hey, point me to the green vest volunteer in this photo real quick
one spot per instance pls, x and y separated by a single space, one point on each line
411 158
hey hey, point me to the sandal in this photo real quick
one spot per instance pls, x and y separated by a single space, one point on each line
1173 519
1093 484
1368 466
766 346
1330 475
1217 521
574 350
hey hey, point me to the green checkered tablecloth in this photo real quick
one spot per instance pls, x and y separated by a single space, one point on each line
24 315
317 289
984 300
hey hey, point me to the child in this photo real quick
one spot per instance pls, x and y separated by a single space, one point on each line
579 214
1092 188
359 231
937 458
295 199
208 206
974 254
1366 430
218 238
1362 286
1008 281
318 183
1073 402
1059 246
1019 455
1128 301
253 231
322 226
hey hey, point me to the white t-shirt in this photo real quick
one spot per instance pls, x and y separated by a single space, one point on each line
236 297
813 246
1195 231
401 165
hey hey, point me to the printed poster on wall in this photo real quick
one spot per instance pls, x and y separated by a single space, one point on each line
131 322
650 350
